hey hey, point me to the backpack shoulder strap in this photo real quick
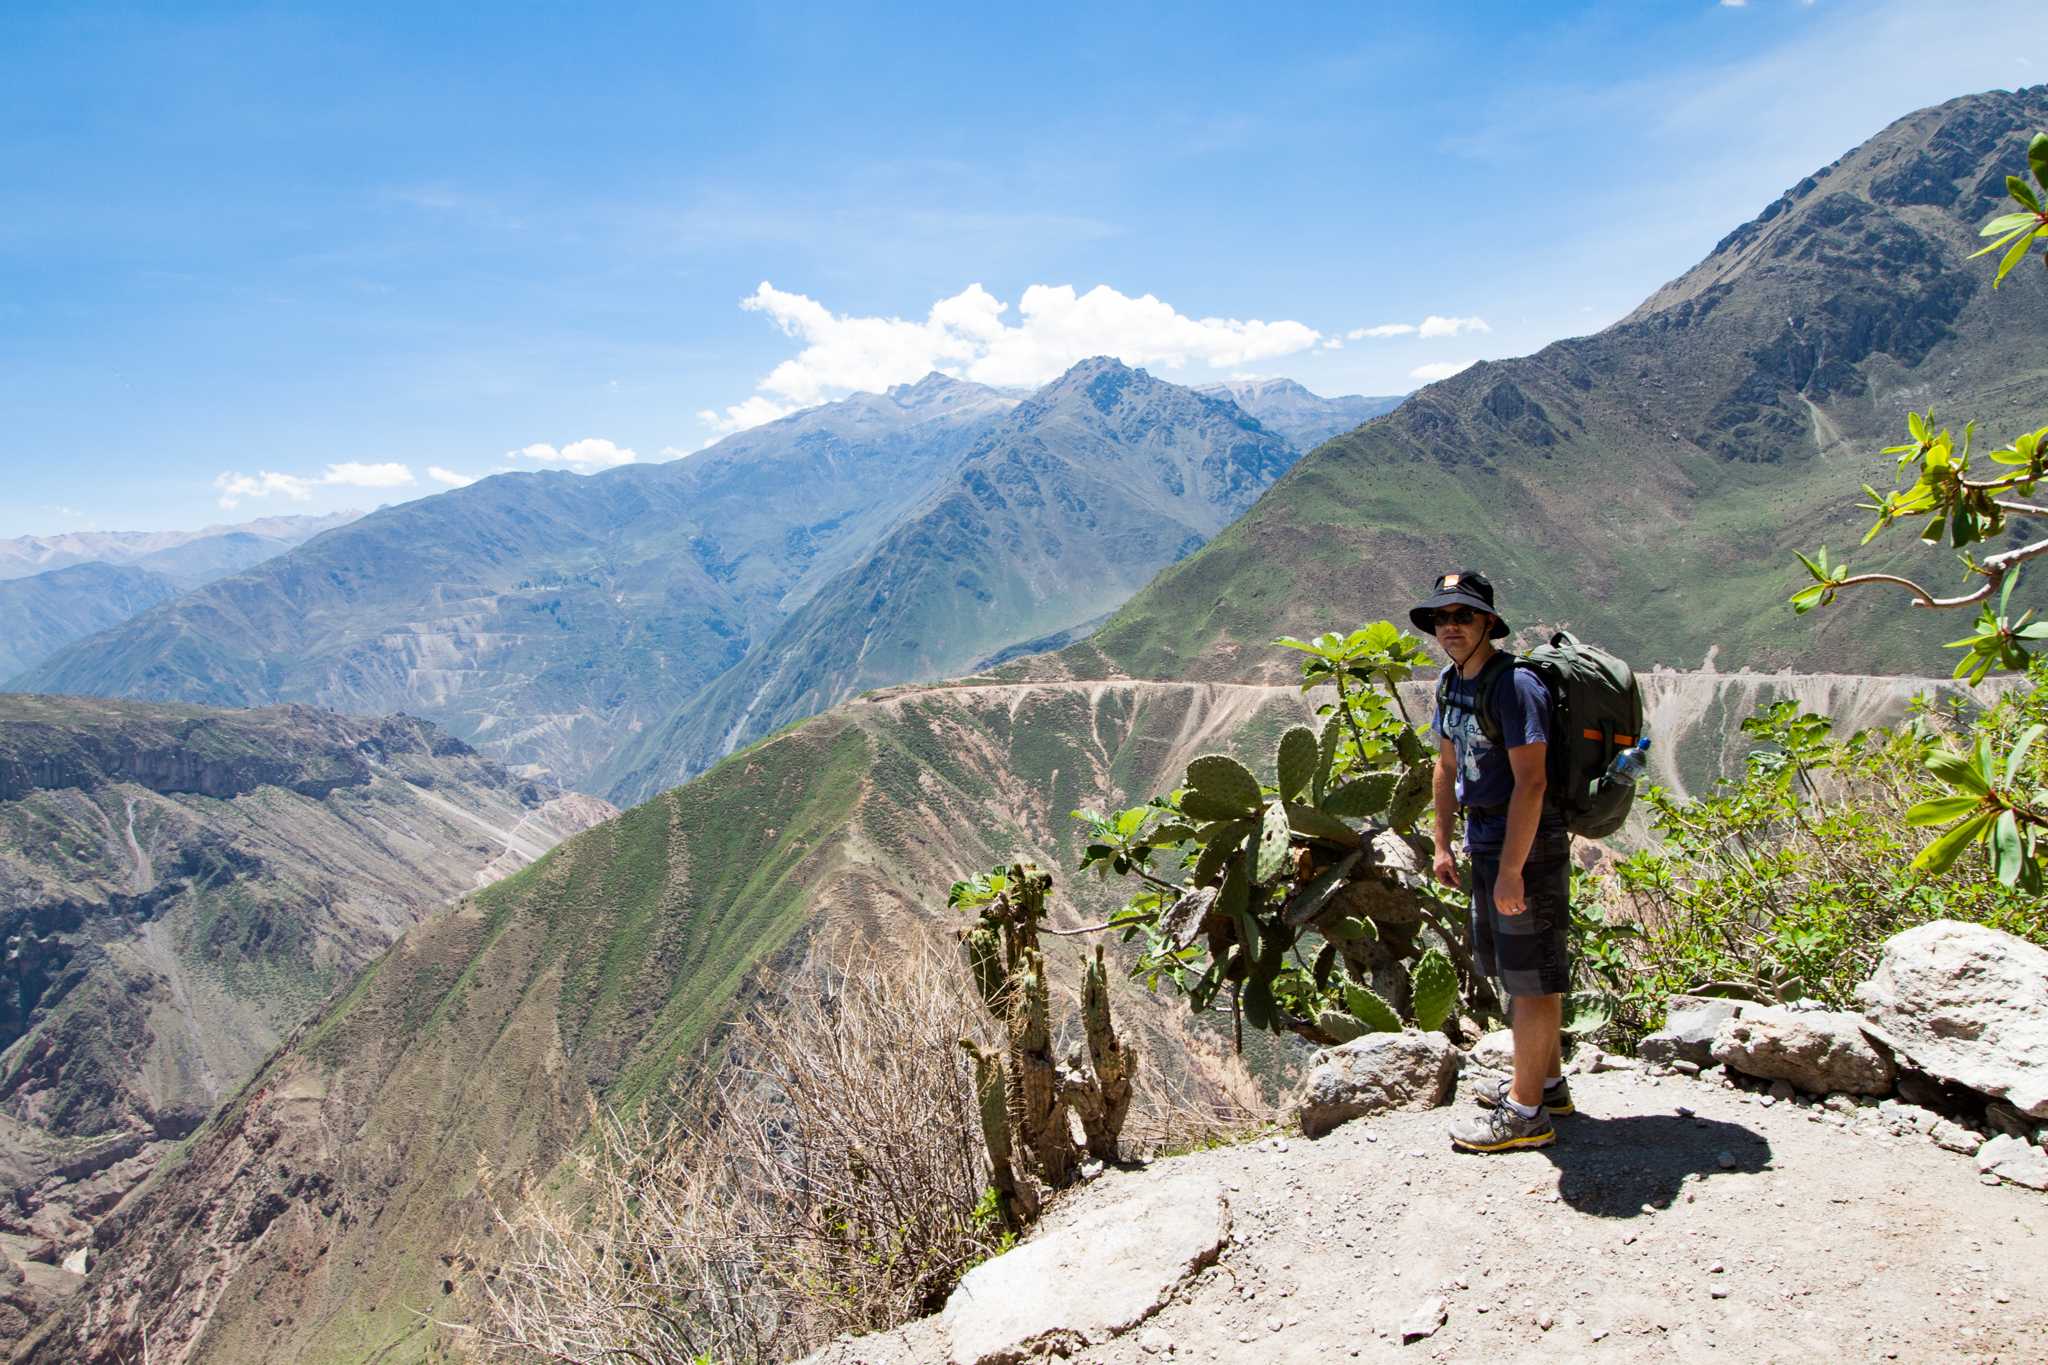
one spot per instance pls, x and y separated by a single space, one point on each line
1488 679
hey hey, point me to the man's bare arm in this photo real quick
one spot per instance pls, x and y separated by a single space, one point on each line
1444 796
1525 811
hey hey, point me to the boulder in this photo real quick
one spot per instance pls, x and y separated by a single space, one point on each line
1690 1022
1375 1074
1496 1051
2010 1158
1093 1278
1821 1052
1968 1005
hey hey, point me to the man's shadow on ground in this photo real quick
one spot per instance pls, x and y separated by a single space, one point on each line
1612 1167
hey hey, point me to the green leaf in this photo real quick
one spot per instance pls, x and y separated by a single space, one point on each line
1273 843
1350 929
1228 781
1937 856
1587 1014
1236 893
1296 762
1219 843
1958 771
2012 258
1367 1007
2005 222
2006 853
1434 985
1941 810
1411 796
2037 159
2023 192
1361 797
2016 761
1204 805
1339 1025
1311 823
1326 757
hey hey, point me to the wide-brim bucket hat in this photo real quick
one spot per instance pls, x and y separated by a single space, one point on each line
1464 588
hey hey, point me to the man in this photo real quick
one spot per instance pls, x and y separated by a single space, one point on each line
1520 852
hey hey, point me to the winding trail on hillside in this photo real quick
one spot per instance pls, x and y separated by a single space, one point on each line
144 875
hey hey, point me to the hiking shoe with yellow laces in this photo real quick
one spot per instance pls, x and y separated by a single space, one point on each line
1501 1129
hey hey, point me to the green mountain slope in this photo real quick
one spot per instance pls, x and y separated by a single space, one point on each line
180 887
332 1198
1646 485
1062 510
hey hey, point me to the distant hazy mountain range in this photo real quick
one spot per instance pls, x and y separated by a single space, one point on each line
57 589
187 558
552 618
1304 419
1063 508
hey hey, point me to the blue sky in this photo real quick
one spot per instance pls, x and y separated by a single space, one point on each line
279 257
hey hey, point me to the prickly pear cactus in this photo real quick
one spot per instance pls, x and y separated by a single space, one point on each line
1243 880
1030 1143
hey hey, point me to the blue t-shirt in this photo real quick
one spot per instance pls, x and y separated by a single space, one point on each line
1521 703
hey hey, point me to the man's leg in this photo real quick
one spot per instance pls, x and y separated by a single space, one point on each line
1535 1020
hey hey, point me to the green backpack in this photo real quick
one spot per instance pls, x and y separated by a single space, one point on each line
1596 702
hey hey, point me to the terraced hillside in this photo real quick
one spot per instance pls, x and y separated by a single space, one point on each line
1647 485
180 887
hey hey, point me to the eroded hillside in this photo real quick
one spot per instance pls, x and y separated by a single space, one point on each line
180 887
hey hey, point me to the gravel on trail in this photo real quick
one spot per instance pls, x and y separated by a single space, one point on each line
1673 1220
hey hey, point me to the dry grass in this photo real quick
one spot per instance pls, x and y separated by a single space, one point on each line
829 1182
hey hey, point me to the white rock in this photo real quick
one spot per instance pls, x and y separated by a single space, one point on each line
1429 1315
1818 1051
2011 1158
1966 1004
1374 1074
1154 1342
1088 1280
1690 1022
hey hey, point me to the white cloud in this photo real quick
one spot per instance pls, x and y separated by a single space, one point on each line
353 475
1734 4
234 487
751 413
450 477
1428 329
966 335
1442 369
1434 326
586 456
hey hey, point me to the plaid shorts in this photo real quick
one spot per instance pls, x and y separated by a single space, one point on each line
1526 953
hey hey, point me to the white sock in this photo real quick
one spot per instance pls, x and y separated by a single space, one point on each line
1550 1082
1527 1111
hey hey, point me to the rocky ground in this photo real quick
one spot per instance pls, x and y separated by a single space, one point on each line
1676 1218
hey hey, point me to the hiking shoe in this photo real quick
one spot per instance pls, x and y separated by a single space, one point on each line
1501 1129
1557 1099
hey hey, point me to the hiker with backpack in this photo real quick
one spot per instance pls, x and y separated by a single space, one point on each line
1527 749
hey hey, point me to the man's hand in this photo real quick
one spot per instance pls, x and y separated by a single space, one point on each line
1508 896
1445 869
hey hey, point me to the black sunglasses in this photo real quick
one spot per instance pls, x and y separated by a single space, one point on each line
1453 616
